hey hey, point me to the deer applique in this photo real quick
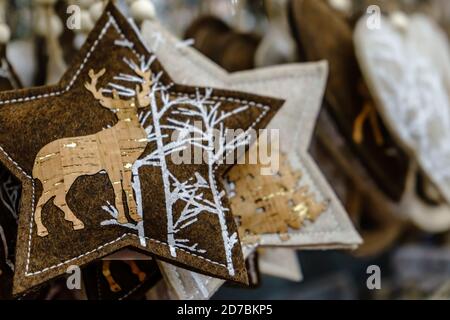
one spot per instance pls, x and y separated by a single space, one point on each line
113 150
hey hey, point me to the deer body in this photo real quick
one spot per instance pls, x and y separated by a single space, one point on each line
113 150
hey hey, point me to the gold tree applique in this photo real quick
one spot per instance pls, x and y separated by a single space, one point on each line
271 203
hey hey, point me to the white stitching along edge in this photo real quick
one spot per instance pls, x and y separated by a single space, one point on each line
66 89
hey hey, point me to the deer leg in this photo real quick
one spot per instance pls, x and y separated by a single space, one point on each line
127 187
117 186
41 229
60 202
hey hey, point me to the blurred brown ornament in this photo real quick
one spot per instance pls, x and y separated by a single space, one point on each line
233 50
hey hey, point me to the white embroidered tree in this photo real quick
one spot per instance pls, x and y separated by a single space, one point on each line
158 123
216 141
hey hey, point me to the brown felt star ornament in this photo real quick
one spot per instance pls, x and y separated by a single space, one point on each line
96 155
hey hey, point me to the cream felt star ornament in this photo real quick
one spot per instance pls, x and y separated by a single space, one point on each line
308 213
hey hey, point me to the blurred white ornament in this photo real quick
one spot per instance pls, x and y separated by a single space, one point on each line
5 33
96 10
341 5
142 10
42 25
87 24
400 20
85 4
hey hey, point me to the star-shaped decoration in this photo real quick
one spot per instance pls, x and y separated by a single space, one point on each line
301 86
97 158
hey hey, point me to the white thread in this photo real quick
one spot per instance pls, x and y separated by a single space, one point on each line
132 291
110 243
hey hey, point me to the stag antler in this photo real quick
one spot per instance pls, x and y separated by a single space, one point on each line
143 96
97 93
114 103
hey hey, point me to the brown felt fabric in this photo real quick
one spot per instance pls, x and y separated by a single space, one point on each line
131 288
323 35
27 124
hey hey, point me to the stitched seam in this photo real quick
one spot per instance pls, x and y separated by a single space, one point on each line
112 242
131 291
99 291
66 89
77 73
319 191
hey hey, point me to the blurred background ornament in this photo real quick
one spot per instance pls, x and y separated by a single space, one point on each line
48 25
277 45
220 42
409 81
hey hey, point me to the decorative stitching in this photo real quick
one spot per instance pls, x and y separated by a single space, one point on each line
112 242
15 164
99 291
132 291
314 180
66 89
